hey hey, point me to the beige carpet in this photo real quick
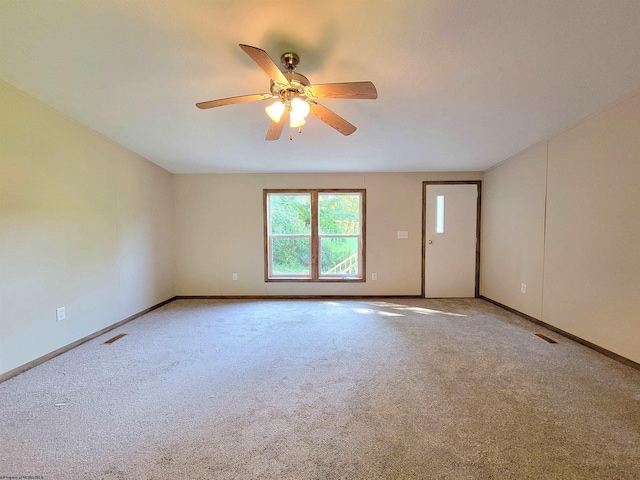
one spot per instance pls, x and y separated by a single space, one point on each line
306 389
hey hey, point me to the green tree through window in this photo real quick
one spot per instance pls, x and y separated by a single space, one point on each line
291 234
339 219
314 235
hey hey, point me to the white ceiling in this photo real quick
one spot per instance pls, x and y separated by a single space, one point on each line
462 84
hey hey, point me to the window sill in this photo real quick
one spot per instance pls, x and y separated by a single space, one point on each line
317 280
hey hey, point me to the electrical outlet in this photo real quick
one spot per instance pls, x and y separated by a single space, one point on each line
523 288
60 314
374 276
403 234
235 276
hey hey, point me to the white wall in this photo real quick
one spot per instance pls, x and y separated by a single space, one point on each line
84 224
590 257
220 231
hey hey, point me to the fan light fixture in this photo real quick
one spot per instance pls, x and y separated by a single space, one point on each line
299 109
275 111
293 96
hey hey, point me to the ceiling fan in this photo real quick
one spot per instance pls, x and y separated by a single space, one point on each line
294 95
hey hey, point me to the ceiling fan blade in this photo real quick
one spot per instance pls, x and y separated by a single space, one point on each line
358 90
264 61
332 119
275 129
230 101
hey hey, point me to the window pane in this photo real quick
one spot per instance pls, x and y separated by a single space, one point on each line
290 214
440 214
339 255
290 255
339 214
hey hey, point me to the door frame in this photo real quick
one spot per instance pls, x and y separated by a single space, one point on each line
425 184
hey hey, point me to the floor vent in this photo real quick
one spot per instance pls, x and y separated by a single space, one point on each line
545 338
117 337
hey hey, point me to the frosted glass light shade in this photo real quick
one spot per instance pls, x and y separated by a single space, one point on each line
299 110
275 111
294 123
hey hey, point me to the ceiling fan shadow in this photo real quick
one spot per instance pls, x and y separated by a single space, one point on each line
315 53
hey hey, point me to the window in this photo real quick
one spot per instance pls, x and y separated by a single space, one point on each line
314 235
440 214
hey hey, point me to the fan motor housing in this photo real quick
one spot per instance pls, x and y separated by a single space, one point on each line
297 84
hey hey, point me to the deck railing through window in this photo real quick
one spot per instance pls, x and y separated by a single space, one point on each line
349 266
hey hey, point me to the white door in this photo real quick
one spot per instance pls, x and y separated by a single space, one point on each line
451 237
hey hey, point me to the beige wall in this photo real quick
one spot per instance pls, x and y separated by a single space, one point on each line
513 206
220 232
84 224
88 225
591 254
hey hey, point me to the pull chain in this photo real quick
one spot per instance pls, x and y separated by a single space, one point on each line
299 131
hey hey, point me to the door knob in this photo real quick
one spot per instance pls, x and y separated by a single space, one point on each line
430 242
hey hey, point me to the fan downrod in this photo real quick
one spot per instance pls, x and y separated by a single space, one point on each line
289 61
